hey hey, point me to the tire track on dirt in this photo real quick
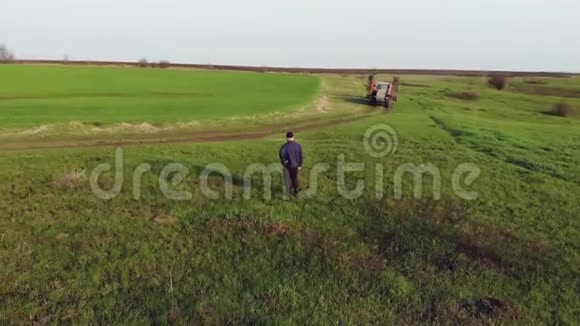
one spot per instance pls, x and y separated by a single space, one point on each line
201 136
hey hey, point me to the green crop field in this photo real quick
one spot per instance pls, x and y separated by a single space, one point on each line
36 95
510 255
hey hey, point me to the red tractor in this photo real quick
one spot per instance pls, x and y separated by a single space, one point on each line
382 92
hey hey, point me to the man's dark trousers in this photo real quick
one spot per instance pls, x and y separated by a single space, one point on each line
291 185
291 159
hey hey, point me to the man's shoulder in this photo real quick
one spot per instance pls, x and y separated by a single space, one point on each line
295 145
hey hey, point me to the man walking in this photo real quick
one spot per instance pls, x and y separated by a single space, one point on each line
291 159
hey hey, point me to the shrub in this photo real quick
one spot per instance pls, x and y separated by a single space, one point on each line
498 82
561 110
164 64
5 54
143 63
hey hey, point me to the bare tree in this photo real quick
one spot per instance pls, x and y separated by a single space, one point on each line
143 63
498 82
5 54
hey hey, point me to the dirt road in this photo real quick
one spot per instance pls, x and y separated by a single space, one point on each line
206 136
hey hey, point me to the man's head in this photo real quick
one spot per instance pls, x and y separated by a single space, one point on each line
290 136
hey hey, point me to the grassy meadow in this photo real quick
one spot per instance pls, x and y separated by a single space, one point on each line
39 95
508 257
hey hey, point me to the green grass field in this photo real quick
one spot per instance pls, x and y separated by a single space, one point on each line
511 256
37 95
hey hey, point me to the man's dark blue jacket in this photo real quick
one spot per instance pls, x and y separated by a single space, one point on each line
291 155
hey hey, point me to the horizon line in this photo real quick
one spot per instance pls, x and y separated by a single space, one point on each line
402 71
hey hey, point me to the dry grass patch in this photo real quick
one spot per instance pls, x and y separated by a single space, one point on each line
279 229
535 82
322 104
464 96
544 90
554 91
414 85
165 220
70 180
361 262
491 308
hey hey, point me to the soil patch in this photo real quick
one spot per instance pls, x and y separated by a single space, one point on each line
465 96
191 137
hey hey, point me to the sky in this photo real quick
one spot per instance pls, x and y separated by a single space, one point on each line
528 35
